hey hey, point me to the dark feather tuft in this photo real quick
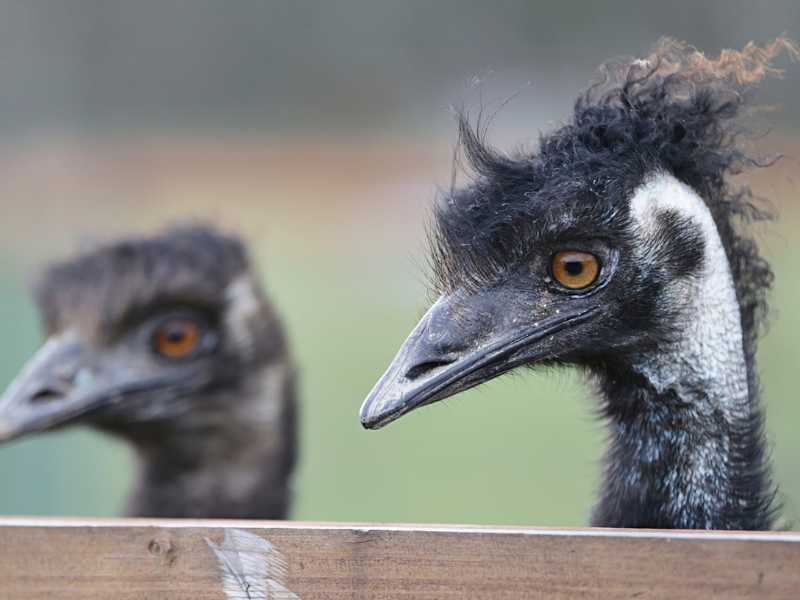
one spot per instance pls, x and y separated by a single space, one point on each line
100 289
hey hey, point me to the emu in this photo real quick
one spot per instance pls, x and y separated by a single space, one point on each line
619 247
169 343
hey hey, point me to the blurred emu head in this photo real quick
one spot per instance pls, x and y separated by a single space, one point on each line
147 334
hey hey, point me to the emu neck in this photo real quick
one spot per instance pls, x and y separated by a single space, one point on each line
686 447
679 461
232 459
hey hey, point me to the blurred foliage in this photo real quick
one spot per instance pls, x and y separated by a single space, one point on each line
317 66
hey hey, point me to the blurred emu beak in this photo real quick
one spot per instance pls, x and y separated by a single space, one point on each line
460 342
54 387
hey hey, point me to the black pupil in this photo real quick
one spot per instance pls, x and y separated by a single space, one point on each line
175 335
574 267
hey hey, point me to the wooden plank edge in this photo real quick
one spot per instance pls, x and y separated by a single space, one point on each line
595 532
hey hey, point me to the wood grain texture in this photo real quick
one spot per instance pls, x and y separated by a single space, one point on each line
141 559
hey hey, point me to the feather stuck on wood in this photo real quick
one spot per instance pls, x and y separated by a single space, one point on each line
251 567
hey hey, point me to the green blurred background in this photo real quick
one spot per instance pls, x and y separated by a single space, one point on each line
320 131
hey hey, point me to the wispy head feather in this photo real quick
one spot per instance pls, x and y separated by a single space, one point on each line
675 110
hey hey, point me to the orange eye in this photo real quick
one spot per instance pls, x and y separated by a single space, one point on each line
575 270
177 338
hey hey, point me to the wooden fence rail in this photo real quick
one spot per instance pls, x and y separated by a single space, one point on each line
194 560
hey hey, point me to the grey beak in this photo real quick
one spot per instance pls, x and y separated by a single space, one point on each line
54 387
459 343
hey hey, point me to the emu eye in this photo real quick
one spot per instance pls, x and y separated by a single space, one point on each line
177 338
575 270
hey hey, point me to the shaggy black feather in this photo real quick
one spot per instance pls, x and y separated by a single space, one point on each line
105 288
674 112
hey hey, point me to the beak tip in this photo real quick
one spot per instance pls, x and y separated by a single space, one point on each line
371 416
367 420
372 424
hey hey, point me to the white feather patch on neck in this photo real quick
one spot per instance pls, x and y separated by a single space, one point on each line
710 353
243 307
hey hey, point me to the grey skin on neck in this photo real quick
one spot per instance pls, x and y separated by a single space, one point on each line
685 431
232 459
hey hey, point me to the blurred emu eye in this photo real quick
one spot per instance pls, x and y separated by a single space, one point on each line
575 270
176 338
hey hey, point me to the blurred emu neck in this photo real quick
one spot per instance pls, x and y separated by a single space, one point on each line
686 447
231 459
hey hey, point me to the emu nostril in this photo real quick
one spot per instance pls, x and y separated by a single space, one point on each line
46 395
427 367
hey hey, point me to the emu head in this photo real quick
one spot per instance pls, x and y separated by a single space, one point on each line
596 249
142 334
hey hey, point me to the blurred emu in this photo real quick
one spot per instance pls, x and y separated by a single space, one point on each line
618 246
169 343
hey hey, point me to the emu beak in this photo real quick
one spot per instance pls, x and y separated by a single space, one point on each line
460 342
64 381
54 387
